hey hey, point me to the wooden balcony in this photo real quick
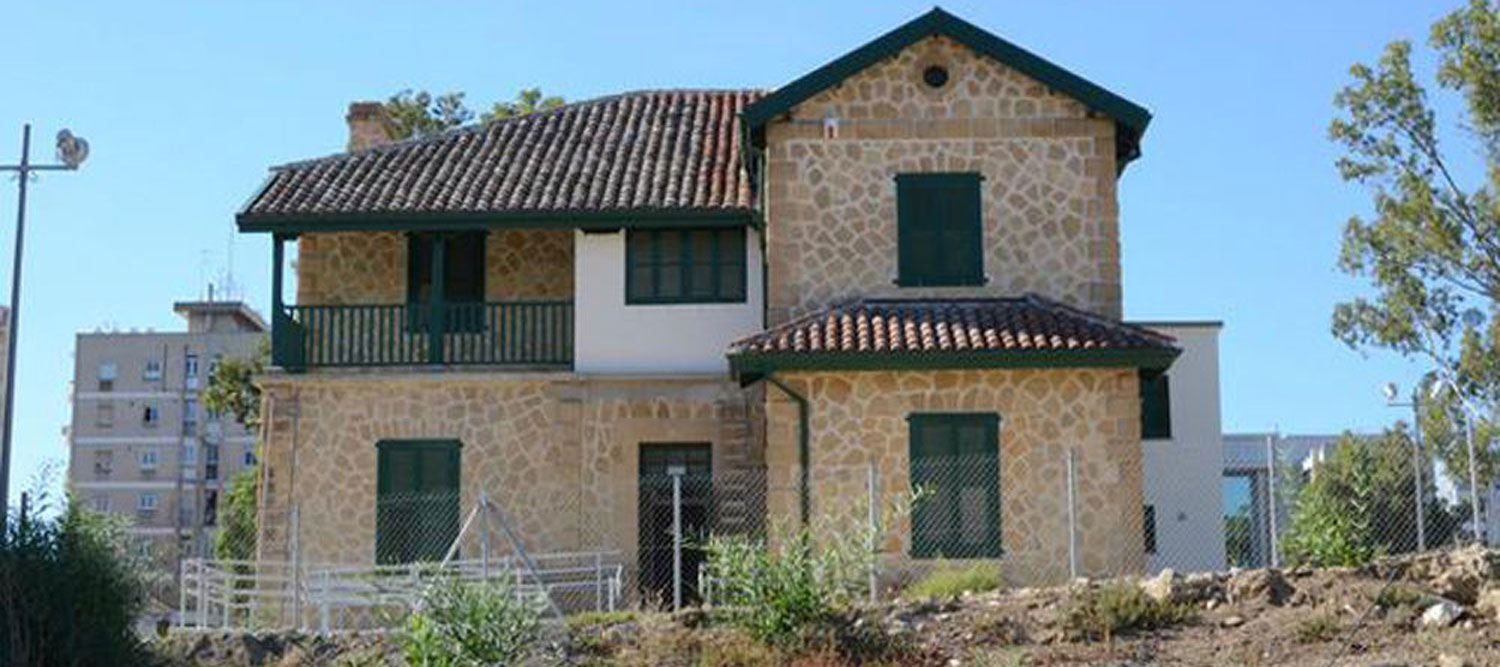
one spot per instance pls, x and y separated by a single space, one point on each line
519 334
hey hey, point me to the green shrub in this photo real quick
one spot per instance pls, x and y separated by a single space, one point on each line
1358 506
1119 607
236 537
1315 629
69 593
593 618
1398 596
463 624
779 593
952 582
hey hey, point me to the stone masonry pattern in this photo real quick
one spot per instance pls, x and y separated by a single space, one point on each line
558 454
861 418
1050 215
346 268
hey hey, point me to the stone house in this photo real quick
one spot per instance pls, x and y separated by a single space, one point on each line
908 255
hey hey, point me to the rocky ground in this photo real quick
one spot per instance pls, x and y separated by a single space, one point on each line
1436 609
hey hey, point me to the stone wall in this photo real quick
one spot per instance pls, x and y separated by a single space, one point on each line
860 418
559 454
370 267
1050 214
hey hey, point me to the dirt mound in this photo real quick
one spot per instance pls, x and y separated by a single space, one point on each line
1433 609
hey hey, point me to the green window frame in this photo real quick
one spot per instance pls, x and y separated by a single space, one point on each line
417 500
1156 405
955 464
939 230
697 265
462 286
463 266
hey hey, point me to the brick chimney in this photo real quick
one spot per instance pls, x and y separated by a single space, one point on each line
366 125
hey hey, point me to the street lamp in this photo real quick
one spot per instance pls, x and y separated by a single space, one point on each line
1391 393
1472 319
71 152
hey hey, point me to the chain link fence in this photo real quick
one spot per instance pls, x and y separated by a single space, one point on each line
602 542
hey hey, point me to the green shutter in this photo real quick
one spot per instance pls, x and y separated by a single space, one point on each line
699 265
1156 406
955 462
939 230
417 500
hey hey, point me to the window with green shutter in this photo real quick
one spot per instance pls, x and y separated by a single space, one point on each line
955 464
416 505
1156 406
685 266
939 229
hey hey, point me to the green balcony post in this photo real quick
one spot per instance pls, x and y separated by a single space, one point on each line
286 335
435 305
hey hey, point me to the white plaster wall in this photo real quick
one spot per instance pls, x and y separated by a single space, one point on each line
613 338
1184 474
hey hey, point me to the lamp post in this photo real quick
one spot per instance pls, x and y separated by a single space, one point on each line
71 152
1470 415
1415 404
1472 319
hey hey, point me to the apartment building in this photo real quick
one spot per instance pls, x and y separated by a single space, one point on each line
140 444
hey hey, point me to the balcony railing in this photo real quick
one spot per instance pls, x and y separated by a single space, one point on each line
514 333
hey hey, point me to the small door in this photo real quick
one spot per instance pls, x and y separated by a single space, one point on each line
658 462
416 506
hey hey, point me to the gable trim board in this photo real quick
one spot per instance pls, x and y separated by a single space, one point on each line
1130 118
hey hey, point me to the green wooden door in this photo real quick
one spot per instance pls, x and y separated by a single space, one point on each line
416 516
955 463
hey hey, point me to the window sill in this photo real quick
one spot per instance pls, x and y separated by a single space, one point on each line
684 302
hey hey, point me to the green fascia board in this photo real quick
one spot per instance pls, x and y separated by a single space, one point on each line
756 364
1130 118
654 218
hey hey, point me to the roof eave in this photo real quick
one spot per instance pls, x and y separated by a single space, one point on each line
761 363
590 220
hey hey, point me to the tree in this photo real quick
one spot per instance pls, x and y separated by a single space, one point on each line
528 101
231 389
421 114
236 537
1431 249
1359 504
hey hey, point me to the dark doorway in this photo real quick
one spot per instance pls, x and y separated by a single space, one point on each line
658 463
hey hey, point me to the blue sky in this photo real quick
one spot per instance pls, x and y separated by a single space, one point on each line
1233 213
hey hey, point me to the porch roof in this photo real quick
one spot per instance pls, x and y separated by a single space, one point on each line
1022 332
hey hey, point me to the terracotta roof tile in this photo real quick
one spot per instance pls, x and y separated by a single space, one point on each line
894 327
671 149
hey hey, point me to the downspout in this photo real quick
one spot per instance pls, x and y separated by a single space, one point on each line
804 436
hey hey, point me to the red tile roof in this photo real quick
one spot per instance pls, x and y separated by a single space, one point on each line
670 149
1013 327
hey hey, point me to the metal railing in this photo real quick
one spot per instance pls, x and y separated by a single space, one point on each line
514 333
331 598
